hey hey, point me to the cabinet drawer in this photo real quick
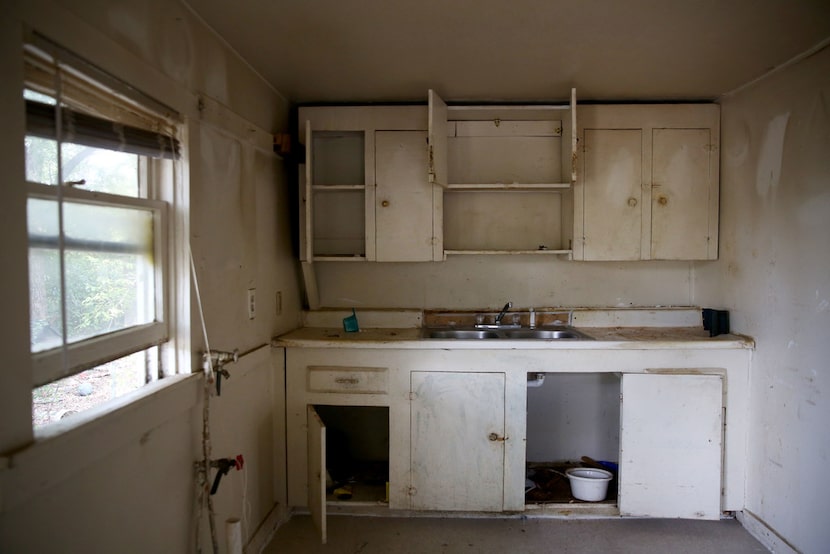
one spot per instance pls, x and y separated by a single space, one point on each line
361 380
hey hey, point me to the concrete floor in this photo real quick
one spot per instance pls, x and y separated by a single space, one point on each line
422 535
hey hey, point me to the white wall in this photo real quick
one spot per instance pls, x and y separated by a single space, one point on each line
774 276
487 281
125 482
573 415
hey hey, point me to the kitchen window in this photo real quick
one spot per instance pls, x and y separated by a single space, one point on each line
102 163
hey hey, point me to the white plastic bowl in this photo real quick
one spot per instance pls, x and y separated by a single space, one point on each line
589 484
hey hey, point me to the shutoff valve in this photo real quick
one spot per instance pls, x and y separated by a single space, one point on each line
223 466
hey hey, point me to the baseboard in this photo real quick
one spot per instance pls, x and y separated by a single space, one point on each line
771 540
265 532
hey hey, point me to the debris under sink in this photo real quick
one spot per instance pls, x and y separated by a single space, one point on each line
546 483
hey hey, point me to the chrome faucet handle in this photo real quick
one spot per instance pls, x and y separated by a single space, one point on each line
503 311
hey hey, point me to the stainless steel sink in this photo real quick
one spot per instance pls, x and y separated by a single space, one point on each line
552 333
460 334
544 334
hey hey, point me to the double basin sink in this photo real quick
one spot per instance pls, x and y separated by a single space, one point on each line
506 332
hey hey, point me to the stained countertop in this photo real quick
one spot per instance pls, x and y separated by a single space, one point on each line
603 338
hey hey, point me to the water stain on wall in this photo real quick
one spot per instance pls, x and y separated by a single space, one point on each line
771 156
736 147
175 48
130 22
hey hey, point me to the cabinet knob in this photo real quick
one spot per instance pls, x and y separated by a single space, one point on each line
662 200
385 203
632 201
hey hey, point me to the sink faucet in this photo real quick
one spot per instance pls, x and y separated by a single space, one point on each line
502 312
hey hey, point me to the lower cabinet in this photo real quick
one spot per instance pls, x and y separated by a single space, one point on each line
458 437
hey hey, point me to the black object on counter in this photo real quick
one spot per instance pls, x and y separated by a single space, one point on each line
716 321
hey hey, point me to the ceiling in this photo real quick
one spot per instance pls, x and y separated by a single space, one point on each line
514 50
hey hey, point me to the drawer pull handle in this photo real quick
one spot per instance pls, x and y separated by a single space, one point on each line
347 380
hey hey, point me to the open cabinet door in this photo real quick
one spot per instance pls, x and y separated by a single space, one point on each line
574 154
670 446
317 472
306 198
437 140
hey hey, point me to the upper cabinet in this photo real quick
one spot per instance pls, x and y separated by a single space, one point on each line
647 182
365 194
418 183
507 174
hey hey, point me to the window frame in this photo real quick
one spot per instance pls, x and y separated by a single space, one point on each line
160 185
64 360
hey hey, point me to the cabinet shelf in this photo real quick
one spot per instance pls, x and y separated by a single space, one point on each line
343 258
543 251
527 112
507 172
328 188
553 187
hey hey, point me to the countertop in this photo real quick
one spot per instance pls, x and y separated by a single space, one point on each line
604 338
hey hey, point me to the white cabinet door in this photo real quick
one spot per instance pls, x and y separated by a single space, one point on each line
612 187
345 170
680 203
306 216
457 441
648 188
317 472
670 446
437 139
404 204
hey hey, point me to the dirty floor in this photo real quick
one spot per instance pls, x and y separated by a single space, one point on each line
426 535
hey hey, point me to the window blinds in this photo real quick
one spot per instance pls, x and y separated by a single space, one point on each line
108 114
